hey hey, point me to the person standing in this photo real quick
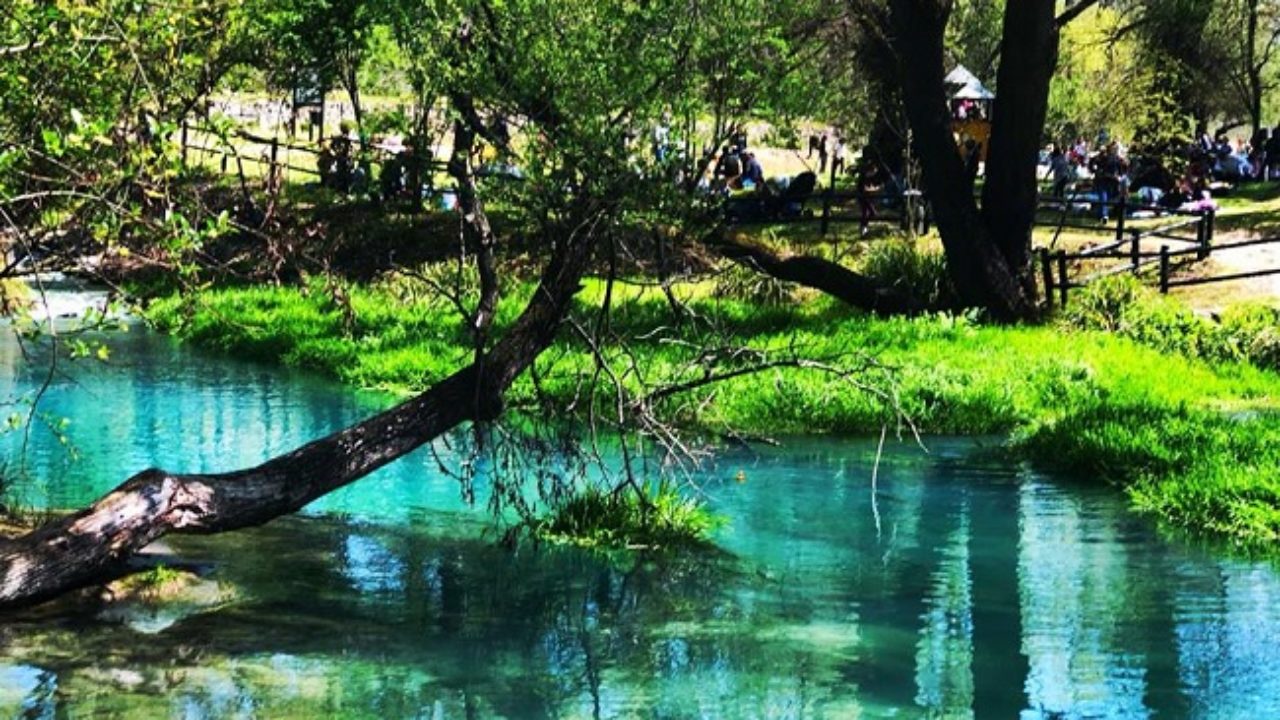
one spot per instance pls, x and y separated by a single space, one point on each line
869 181
1062 171
1107 168
822 154
837 156
972 158
1273 154
662 138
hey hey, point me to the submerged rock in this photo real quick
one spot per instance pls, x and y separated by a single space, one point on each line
156 599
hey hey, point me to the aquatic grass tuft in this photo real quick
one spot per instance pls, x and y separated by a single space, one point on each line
655 517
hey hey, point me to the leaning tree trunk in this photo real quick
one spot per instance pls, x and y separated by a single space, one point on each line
987 261
820 274
90 545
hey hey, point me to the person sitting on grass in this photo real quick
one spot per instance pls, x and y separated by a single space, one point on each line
753 173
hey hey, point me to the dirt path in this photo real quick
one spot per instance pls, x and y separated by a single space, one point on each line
1215 296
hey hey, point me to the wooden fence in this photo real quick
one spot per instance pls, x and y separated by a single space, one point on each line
1194 231
273 147
1135 259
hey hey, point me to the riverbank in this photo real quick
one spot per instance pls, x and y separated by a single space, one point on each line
1192 441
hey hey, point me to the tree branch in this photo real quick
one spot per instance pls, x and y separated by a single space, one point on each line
831 278
1074 12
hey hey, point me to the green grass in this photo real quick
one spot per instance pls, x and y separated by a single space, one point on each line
1190 436
658 517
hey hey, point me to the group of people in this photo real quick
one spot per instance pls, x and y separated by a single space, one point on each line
738 168
826 146
404 172
1114 176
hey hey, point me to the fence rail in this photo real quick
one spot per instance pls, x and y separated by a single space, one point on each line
271 156
1054 266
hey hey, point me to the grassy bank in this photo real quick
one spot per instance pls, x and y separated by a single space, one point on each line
1193 440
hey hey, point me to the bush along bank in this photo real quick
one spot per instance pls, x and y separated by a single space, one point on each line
1187 431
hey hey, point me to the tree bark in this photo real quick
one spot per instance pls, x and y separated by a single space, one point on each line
1253 68
1029 56
81 549
988 253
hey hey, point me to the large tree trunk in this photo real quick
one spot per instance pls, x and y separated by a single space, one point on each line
988 254
1029 55
1253 68
88 546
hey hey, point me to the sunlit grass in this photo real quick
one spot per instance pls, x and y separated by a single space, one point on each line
1171 410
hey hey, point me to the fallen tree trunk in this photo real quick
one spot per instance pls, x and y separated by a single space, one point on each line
829 277
84 548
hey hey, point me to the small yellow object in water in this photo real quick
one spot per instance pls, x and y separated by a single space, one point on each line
740 477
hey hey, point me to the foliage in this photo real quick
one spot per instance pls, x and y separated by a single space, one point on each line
739 283
1199 470
153 579
906 266
655 517
1215 56
1104 83
1121 305
90 99
387 122
973 36
313 42
785 136
14 295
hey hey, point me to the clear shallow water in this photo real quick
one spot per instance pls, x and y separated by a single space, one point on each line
982 591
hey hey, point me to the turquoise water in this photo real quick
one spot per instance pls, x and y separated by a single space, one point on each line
966 588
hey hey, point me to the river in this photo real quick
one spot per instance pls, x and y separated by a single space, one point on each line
965 587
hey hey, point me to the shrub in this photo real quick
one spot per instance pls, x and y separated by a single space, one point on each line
743 284
1103 304
903 265
1121 305
786 137
14 296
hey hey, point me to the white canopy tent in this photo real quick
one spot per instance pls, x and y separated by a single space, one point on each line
964 85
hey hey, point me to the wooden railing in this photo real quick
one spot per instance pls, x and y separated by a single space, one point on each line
271 157
1055 265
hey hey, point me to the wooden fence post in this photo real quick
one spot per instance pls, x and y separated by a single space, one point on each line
1164 269
1121 211
275 154
1135 250
1202 232
1046 271
1063 283
826 200
1208 242
184 142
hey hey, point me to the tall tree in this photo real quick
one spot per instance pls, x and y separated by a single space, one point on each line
988 248
324 41
572 76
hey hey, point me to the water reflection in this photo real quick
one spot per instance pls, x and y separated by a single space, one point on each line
981 591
